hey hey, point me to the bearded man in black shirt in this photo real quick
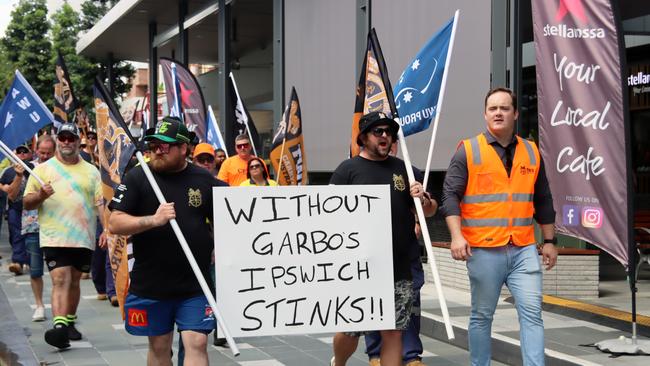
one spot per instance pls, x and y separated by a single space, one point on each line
163 289
374 165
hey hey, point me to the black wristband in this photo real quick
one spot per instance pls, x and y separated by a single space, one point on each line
551 241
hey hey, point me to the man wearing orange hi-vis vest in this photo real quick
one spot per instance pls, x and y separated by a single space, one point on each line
494 188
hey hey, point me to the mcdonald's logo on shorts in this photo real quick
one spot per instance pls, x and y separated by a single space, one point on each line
138 318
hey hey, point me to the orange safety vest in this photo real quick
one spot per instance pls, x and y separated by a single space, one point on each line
496 208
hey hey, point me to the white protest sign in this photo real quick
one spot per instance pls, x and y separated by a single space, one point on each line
309 259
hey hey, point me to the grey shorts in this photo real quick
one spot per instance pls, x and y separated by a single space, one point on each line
403 305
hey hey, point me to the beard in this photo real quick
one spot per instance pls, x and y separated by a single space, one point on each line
68 151
379 151
162 164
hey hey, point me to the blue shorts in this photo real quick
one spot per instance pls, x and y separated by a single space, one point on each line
33 245
147 317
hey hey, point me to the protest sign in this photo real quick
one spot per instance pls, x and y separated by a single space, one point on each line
310 259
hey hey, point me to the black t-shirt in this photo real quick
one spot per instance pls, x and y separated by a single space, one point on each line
7 177
161 270
391 171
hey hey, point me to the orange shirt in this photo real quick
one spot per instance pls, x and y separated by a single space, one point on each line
233 171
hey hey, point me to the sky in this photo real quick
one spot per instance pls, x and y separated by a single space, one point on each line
7 5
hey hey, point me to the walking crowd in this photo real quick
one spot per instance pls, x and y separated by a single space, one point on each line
494 191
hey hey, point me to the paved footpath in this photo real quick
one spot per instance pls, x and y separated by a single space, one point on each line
105 342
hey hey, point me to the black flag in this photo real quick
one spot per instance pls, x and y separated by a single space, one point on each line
240 122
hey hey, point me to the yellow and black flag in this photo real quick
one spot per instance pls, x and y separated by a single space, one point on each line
374 92
288 147
115 148
64 100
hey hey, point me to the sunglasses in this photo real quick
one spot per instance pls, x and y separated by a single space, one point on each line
378 131
22 151
67 138
163 148
243 146
92 137
255 166
203 159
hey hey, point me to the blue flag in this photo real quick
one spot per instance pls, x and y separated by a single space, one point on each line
213 136
418 88
22 113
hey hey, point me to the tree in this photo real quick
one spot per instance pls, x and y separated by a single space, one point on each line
26 47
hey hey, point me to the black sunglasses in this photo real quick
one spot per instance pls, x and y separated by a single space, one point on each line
205 159
378 131
67 138
22 151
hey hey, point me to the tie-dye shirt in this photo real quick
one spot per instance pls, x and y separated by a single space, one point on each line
68 217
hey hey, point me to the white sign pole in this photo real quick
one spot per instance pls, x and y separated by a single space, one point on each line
440 98
14 159
427 238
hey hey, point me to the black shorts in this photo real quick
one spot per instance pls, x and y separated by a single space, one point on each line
57 257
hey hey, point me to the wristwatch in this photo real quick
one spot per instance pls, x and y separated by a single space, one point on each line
551 241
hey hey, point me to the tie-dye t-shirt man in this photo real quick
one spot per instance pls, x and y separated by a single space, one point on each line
68 217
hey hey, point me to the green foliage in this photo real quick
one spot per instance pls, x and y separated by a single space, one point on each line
31 43
26 47
91 12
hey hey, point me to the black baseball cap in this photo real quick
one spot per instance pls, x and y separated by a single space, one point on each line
171 130
22 148
373 119
70 128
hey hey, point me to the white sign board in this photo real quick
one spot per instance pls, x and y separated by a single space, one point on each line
310 259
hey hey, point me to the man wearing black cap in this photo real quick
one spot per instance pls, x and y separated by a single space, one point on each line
163 289
374 165
68 206
10 181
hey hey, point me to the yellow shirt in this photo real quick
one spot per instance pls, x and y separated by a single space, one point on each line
68 217
247 183
233 171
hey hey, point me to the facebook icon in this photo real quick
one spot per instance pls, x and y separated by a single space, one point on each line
570 215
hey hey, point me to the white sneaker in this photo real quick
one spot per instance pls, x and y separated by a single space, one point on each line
39 314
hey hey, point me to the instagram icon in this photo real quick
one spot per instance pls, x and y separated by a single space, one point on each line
592 217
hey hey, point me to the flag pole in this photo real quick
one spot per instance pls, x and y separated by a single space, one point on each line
248 130
280 165
440 99
190 257
174 224
14 159
427 238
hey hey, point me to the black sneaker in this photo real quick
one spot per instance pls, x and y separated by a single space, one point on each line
58 337
73 333
220 342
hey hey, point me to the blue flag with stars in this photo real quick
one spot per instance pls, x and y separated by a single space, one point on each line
418 88
22 113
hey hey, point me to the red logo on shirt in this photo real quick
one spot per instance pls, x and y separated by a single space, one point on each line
138 318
